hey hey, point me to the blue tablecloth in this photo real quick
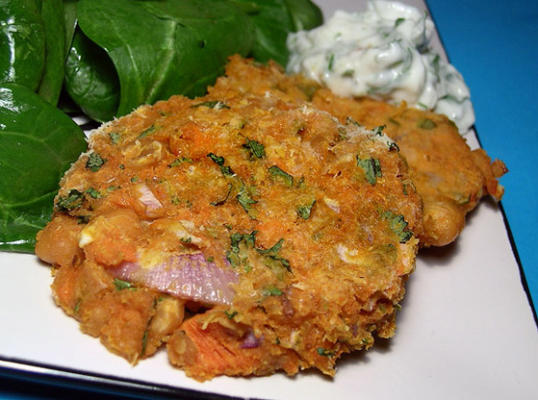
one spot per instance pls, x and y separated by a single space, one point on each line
494 45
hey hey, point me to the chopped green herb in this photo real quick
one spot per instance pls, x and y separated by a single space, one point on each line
271 291
378 130
348 73
280 174
427 124
256 149
94 193
216 104
398 225
350 120
226 170
95 162
144 341
272 256
112 188
398 22
186 240
210 259
122 166
221 202
121 285
235 255
134 179
77 306
73 200
331 62
231 314
304 211
422 105
179 161
246 201
114 137
273 250
324 352
146 132
175 200
372 169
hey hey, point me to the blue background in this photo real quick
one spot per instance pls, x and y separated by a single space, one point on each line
495 46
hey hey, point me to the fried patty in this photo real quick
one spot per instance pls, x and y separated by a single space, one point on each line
287 235
450 178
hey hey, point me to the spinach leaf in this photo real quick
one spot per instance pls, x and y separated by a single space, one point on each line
160 48
52 14
70 23
37 144
90 79
274 19
22 43
305 15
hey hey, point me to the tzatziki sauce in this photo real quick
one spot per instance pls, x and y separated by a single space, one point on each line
382 52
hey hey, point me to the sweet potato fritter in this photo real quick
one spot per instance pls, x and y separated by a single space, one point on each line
308 221
450 178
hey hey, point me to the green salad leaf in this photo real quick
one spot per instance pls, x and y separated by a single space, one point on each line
273 20
22 43
52 14
161 48
90 79
37 144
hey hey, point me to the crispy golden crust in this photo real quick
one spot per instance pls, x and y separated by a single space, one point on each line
450 178
318 228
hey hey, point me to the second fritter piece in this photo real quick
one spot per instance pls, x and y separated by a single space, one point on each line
450 178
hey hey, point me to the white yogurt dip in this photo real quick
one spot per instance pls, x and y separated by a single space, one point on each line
384 53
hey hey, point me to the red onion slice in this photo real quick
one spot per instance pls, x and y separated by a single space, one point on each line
188 276
250 341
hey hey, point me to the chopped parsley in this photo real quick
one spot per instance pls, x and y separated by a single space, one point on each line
223 200
94 193
179 161
225 169
371 168
398 225
230 314
95 162
304 211
324 352
146 132
122 285
378 130
271 291
350 120
257 150
73 200
114 137
278 173
331 62
246 201
398 22
272 256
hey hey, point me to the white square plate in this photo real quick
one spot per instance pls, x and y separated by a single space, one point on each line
466 329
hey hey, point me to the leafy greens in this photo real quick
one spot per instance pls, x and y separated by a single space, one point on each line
37 144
